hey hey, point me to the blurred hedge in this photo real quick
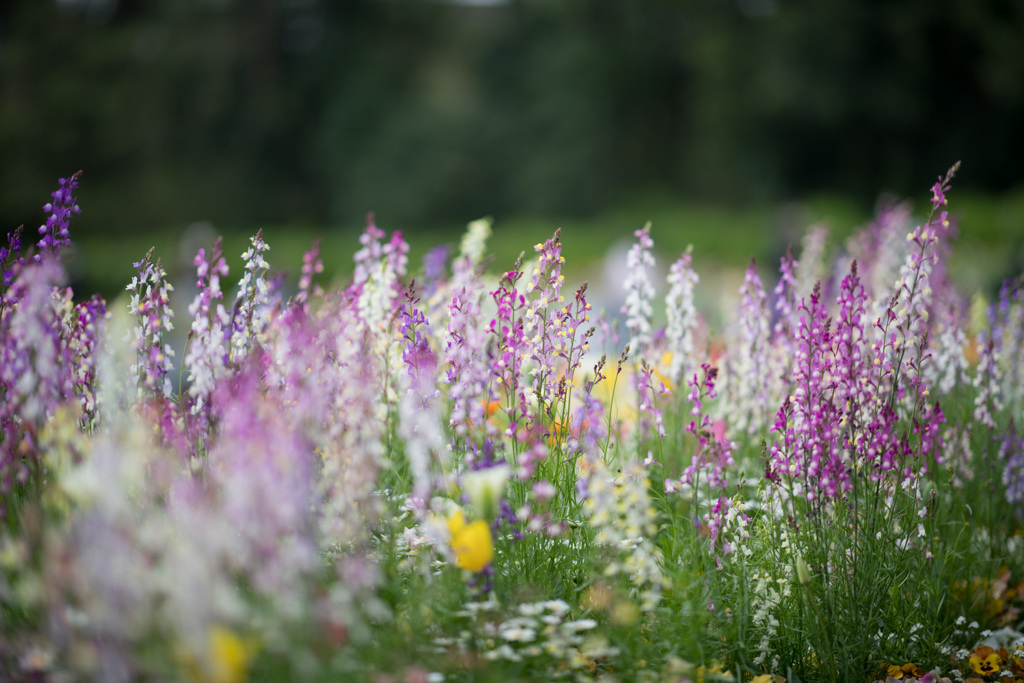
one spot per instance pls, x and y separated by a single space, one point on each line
257 111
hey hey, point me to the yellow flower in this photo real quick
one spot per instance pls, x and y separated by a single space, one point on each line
893 671
1017 656
471 542
702 672
985 660
227 658
911 669
662 369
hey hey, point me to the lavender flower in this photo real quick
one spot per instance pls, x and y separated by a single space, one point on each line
1000 367
512 347
370 254
988 396
913 293
713 453
748 366
468 370
781 347
587 426
681 318
1012 454
573 333
541 330
948 367
263 474
419 418
312 264
435 263
9 256
84 331
377 279
207 356
35 364
881 248
650 419
639 291
471 253
252 302
150 304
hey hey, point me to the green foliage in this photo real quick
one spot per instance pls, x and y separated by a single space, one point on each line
431 112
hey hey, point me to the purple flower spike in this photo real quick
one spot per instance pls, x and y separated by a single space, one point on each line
468 372
55 234
9 255
35 365
510 356
312 264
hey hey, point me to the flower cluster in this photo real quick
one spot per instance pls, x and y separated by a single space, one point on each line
353 482
150 304
538 635
9 256
638 308
681 318
619 509
748 368
208 351
35 365
55 232
252 302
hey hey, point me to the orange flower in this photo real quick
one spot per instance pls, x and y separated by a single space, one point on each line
491 408
555 433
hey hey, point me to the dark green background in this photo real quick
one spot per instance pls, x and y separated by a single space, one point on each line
310 113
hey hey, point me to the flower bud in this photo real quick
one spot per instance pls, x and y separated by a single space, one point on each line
803 575
485 489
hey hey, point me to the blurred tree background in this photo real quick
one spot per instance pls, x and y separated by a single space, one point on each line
433 112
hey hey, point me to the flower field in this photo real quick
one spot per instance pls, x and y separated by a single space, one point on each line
465 471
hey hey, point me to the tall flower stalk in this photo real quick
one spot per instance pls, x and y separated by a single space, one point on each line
681 316
150 304
638 308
